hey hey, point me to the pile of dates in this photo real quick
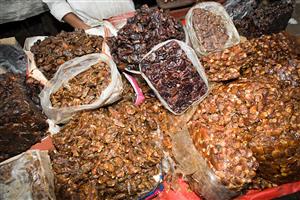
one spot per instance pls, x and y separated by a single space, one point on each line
275 55
149 27
209 29
110 153
174 76
254 18
248 129
225 65
84 88
22 124
52 52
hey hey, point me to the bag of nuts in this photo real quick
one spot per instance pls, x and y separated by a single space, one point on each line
83 83
176 76
210 28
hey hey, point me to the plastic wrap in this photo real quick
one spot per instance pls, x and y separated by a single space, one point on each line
238 9
255 18
13 59
191 55
69 70
201 178
27 176
219 11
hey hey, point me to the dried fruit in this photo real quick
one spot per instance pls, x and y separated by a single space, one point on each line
110 153
249 126
52 52
209 29
174 77
85 88
22 124
149 27
273 55
225 65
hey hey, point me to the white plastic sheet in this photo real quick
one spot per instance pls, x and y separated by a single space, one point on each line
70 69
27 176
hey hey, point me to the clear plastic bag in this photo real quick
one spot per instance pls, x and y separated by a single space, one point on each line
238 9
27 176
12 59
219 11
201 178
69 70
191 55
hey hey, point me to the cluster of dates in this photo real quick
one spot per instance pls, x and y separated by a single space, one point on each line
52 52
274 55
111 153
85 88
209 29
247 129
22 124
149 27
174 76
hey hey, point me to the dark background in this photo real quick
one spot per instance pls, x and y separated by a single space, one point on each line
43 24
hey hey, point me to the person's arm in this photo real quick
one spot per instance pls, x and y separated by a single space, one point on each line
62 11
75 21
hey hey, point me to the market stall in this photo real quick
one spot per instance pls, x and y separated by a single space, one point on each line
155 108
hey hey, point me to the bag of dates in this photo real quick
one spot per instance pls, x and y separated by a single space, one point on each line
27 176
176 76
22 123
83 83
254 18
210 28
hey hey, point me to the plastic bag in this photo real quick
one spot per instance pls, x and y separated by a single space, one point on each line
202 179
238 9
255 18
27 176
13 59
191 55
217 10
69 70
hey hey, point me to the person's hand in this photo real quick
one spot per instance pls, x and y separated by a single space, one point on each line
75 21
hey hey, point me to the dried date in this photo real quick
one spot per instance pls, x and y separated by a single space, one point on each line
249 129
102 154
225 65
22 124
273 55
84 88
209 29
149 27
174 77
52 52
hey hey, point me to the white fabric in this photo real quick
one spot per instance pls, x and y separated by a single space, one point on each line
89 11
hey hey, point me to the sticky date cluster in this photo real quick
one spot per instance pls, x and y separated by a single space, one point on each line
270 55
249 128
110 153
85 88
149 27
174 77
52 52
210 29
